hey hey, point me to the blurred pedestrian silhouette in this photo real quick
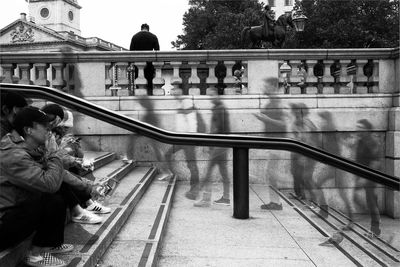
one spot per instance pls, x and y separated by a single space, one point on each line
273 118
302 167
145 41
187 120
217 157
367 154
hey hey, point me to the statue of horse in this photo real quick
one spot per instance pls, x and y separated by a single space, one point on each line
251 37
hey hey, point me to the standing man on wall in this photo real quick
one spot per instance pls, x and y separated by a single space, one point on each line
145 41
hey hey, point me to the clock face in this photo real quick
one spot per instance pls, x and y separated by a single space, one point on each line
71 15
44 12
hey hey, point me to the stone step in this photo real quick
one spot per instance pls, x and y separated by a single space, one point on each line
139 241
367 251
106 168
91 241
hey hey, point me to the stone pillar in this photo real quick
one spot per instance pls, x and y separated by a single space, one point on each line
229 80
194 80
312 80
58 81
344 78
25 73
361 79
41 74
211 79
158 81
8 73
328 79
141 81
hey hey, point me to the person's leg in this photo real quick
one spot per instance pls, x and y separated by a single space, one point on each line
79 215
372 204
297 169
149 75
206 186
50 231
17 224
190 157
221 162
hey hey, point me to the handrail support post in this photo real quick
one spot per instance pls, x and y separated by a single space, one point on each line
240 183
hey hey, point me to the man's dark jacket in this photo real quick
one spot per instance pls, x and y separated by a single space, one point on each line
144 40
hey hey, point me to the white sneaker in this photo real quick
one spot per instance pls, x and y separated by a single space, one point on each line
87 217
98 208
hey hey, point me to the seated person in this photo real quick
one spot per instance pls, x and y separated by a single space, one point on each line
74 162
28 185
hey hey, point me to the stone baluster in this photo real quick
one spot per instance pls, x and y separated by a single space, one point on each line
284 78
8 73
344 78
245 79
108 77
295 78
194 80
141 81
229 79
211 80
25 73
122 76
311 80
41 74
176 80
361 79
158 80
328 80
375 77
58 81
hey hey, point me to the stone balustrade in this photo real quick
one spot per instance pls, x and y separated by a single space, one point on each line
303 71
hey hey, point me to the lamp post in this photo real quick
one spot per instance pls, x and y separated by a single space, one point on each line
298 18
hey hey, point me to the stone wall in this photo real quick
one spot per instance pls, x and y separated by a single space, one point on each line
337 134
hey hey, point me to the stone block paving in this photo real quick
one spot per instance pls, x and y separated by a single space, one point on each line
212 237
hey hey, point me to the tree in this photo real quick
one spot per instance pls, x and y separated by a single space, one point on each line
346 24
216 24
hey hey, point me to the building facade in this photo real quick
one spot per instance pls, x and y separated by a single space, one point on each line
53 25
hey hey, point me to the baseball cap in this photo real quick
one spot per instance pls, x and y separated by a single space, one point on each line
27 116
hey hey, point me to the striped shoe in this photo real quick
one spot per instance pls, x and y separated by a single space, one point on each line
96 207
87 217
44 260
63 248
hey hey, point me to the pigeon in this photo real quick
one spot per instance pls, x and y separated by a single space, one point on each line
336 238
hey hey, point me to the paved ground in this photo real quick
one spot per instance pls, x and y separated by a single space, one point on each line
212 237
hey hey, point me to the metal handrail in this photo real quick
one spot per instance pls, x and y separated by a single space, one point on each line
240 143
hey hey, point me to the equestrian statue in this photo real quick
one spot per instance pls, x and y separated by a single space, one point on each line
270 31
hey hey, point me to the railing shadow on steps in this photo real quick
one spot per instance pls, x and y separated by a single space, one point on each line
239 143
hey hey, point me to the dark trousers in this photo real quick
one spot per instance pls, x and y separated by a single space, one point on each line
45 216
149 73
73 196
190 157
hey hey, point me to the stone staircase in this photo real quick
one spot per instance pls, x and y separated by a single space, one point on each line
130 183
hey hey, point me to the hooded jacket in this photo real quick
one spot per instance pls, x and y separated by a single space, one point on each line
25 173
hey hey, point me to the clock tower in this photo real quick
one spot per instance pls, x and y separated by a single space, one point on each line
58 15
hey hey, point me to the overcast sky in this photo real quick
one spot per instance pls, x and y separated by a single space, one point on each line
117 20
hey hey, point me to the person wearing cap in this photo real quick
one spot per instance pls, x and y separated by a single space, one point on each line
77 191
28 185
11 103
145 41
